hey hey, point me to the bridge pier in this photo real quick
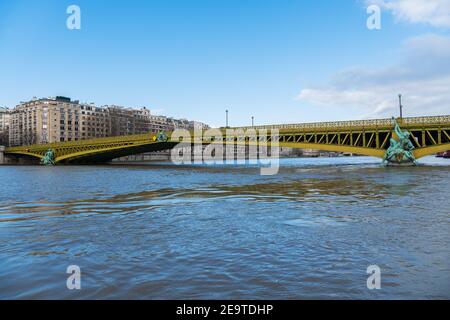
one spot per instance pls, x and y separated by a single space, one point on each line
2 155
401 149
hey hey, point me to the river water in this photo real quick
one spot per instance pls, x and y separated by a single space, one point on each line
162 231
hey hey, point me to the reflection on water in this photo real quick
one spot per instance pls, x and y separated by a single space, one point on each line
162 231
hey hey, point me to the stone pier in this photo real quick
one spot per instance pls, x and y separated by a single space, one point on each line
2 155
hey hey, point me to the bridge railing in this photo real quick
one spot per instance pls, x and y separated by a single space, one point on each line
381 123
437 120
96 141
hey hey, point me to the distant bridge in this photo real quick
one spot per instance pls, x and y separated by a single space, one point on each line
429 135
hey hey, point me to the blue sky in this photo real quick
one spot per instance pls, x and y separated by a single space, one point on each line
281 61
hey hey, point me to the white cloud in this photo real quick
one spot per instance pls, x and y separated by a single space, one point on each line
436 45
423 78
432 12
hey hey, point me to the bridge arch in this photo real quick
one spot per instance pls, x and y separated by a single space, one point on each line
430 150
107 154
378 153
31 155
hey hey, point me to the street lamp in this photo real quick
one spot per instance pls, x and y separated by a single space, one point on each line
253 121
226 111
401 106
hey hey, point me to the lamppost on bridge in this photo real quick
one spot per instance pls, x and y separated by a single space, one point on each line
226 121
400 105
253 121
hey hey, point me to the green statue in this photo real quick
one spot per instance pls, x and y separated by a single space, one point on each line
49 158
400 151
161 136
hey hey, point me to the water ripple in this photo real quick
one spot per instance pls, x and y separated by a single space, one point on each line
225 232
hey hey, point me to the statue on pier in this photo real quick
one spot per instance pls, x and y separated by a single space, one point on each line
161 136
400 151
49 158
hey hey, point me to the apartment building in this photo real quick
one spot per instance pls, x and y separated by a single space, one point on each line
29 123
50 120
196 125
60 119
95 122
179 124
4 126
128 121
159 122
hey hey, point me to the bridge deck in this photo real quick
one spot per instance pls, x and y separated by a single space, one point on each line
434 121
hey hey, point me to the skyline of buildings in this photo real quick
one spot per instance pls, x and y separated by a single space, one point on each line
60 119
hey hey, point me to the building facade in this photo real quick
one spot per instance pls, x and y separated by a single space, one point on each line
95 122
196 125
160 123
5 116
60 119
127 121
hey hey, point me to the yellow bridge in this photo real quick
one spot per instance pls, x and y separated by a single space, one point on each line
429 135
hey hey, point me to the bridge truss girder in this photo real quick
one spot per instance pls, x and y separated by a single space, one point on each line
429 135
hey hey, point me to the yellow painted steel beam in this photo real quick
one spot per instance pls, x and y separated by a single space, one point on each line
88 152
357 139
345 139
313 136
430 150
385 141
431 137
446 134
378 153
416 140
371 139
363 125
